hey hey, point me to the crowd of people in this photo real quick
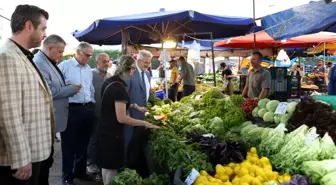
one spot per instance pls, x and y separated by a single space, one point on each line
99 115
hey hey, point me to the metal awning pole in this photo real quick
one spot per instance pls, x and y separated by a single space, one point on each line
254 35
213 59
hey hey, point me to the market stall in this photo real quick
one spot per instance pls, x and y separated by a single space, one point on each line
210 138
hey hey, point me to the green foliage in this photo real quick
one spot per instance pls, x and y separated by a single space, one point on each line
126 177
155 179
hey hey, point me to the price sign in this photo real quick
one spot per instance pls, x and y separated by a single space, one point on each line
281 109
310 137
191 177
158 117
198 97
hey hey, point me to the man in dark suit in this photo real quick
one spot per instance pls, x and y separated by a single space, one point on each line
139 88
45 60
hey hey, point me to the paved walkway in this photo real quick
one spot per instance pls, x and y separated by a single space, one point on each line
56 169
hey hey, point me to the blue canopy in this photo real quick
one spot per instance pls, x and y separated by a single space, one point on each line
150 28
301 20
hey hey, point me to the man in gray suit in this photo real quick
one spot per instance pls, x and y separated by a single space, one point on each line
45 60
139 88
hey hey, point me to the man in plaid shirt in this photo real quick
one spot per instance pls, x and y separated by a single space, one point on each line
26 105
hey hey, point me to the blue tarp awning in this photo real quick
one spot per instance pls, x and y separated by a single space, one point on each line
149 28
301 20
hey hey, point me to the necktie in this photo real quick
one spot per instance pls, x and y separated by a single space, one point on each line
143 80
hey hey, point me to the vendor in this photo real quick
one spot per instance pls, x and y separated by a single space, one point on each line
296 71
227 76
258 81
319 75
172 94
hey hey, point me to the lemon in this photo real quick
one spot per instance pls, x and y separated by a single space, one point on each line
286 178
261 179
232 165
236 170
236 181
255 181
203 172
244 183
220 169
216 176
265 160
243 171
227 183
253 150
246 178
228 171
224 178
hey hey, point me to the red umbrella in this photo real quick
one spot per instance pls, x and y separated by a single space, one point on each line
263 40
308 40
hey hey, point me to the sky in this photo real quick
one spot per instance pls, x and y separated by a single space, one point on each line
67 16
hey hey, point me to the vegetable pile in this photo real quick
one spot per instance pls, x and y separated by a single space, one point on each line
313 113
252 171
219 152
266 111
249 105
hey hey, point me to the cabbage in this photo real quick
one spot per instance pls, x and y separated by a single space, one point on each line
284 118
277 119
291 107
328 148
262 103
268 117
272 105
329 179
318 169
262 112
216 123
255 112
271 144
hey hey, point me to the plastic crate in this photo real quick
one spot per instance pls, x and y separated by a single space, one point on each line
279 79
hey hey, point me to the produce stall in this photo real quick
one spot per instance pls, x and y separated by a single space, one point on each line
213 139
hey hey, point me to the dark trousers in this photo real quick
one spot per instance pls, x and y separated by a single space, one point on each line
92 147
44 169
75 141
188 90
172 93
6 176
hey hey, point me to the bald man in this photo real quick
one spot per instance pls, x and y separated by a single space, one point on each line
100 74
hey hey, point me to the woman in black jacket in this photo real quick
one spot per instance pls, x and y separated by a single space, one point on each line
115 103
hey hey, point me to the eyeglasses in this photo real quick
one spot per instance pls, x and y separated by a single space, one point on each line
86 54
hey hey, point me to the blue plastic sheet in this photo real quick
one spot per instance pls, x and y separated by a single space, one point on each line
301 20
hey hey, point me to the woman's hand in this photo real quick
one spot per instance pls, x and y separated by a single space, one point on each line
149 125
140 109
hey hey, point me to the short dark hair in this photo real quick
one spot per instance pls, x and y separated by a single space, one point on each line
53 39
258 54
329 63
24 13
181 58
223 65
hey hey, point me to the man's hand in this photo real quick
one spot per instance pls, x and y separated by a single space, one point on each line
78 88
23 173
